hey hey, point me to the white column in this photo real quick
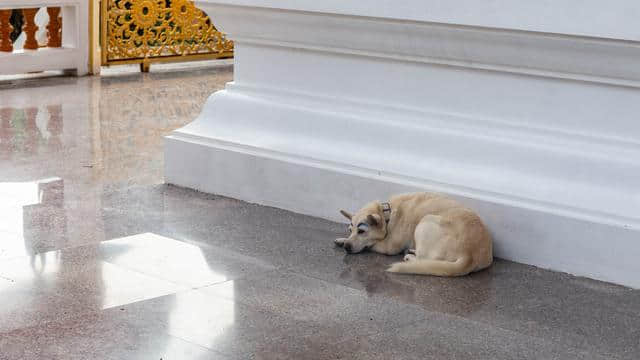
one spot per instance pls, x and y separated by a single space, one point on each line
526 112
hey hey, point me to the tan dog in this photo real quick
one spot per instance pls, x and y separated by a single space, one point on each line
442 236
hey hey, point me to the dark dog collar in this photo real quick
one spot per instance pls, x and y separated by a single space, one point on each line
386 212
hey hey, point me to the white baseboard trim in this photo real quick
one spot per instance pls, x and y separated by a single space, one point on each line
525 231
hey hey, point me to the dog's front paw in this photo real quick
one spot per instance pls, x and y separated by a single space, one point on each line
409 257
339 241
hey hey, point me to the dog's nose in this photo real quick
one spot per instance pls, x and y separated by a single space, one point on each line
347 248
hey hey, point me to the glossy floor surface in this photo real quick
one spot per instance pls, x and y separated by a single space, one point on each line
100 260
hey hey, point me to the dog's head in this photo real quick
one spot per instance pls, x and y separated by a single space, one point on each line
367 228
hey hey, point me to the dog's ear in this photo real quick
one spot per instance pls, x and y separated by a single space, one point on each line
346 214
374 219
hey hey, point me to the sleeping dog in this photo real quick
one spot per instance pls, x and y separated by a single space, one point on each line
441 236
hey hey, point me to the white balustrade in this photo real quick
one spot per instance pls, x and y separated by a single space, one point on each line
65 49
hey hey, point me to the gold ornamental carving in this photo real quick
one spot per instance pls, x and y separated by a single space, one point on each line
159 30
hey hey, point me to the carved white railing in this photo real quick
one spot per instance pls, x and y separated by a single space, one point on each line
67 45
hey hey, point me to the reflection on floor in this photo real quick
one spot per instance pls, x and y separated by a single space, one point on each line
100 260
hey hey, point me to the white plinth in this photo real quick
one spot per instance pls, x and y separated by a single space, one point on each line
532 120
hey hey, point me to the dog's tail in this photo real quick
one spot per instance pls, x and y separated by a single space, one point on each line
460 267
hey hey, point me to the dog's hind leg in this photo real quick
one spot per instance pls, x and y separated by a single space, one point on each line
432 235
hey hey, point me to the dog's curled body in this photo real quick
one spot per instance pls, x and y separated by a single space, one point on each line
446 238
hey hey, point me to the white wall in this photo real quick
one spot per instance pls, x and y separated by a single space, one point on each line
532 124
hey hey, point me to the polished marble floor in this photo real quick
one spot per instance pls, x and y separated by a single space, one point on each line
100 260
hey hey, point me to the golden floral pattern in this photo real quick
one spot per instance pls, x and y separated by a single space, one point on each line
145 12
147 29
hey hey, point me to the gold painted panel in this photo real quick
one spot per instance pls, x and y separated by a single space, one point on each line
159 30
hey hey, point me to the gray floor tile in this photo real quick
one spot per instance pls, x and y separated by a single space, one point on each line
226 326
334 308
65 283
449 337
99 337
177 261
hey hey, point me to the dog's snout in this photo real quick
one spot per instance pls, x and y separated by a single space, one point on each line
347 248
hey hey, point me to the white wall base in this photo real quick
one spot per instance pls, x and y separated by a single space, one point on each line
522 232
536 131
